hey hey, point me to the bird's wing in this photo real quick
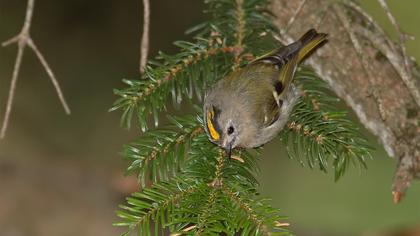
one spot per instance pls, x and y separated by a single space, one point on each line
281 87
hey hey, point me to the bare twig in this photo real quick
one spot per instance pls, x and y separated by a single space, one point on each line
293 18
12 90
402 38
144 44
50 73
369 19
24 39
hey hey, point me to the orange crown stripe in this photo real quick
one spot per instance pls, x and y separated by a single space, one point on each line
213 133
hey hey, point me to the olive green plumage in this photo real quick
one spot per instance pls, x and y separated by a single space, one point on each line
251 105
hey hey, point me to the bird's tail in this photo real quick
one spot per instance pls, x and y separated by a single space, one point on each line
301 48
291 55
309 42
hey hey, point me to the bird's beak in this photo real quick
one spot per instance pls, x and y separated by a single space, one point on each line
228 150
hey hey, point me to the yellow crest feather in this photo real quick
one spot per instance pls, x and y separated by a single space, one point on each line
213 133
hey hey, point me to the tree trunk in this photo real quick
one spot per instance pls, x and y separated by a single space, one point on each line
368 71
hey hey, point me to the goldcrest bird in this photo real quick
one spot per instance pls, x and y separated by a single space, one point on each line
251 105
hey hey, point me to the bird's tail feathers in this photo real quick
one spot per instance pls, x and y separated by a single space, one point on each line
310 41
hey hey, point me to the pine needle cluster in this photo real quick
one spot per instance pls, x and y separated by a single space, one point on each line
188 185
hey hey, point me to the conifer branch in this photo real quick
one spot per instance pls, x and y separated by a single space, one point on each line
267 223
207 212
177 75
216 184
248 210
24 39
224 201
240 29
160 153
320 132
156 203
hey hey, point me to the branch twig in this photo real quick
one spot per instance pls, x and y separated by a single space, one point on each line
293 18
12 90
144 44
50 73
364 61
402 38
24 39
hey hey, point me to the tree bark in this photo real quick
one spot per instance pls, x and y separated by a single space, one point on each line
368 71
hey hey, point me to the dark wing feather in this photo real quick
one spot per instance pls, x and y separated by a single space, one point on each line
285 61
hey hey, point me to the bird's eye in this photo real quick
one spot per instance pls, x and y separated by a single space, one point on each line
230 130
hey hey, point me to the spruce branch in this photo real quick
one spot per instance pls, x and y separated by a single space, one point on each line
265 220
204 217
208 210
24 39
179 75
155 204
208 217
205 163
183 74
320 132
239 29
224 200
159 154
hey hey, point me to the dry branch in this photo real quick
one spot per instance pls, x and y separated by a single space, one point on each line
368 71
406 77
24 39
292 19
144 44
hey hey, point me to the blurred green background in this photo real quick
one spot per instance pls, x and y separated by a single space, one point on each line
62 175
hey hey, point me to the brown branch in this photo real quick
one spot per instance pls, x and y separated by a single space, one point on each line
386 46
293 18
144 44
402 38
371 21
344 63
364 61
24 39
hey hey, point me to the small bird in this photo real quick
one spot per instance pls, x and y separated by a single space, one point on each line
251 105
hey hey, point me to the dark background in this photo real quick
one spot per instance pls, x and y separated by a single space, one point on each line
62 175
